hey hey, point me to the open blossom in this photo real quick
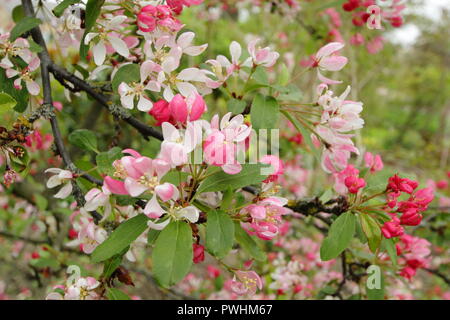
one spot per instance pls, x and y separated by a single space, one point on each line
184 82
142 174
337 151
247 282
174 213
17 48
276 167
105 37
265 217
223 143
340 114
328 59
25 76
262 56
373 162
235 65
179 143
128 93
96 198
81 289
87 234
414 254
60 177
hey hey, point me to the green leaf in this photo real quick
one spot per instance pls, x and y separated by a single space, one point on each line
113 263
84 139
152 235
93 8
236 106
105 159
41 202
283 78
24 25
59 9
227 198
122 237
18 13
116 294
305 133
172 255
174 177
7 103
248 243
264 112
250 174
389 246
219 233
371 230
127 73
260 76
339 236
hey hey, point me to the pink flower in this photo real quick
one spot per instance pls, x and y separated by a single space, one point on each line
265 217
354 184
357 39
262 56
339 177
179 143
223 144
392 228
247 282
276 167
199 253
161 112
373 162
213 272
327 59
151 17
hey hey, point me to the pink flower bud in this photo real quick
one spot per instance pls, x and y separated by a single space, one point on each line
178 108
199 253
198 108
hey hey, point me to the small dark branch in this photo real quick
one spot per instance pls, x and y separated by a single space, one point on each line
314 207
439 274
63 75
337 293
48 103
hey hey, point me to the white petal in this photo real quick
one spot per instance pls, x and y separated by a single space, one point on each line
64 192
99 51
120 46
144 104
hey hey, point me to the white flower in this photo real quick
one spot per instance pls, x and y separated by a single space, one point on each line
189 213
61 177
104 37
137 90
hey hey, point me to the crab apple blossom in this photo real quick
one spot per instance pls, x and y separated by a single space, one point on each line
262 56
60 177
25 76
246 282
220 146
128 93
327 59
151 17
265 217
105 37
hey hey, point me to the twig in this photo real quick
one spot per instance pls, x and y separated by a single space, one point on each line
48 103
